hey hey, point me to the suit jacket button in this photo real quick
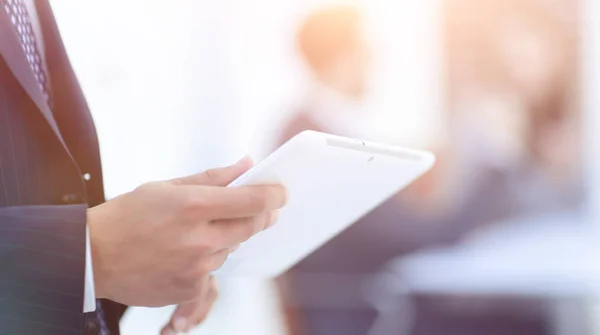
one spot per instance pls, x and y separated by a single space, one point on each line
71 199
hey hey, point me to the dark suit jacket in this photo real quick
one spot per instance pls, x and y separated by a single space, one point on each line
43 197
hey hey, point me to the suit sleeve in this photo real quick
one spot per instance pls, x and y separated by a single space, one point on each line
42 269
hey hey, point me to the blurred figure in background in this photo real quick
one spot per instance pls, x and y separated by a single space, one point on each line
336 52
511 149
513 143
511 83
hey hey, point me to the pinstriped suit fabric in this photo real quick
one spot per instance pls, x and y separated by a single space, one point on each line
41 290
42 242
43 154
33 166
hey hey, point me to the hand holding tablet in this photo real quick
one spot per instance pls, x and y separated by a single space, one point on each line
332 181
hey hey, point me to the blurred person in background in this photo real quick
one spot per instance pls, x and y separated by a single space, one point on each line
511 74
337 54
511 148
513 143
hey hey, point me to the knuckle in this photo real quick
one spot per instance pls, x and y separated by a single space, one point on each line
199 287
147 187
206 241
208 246
247 228
212 174
185 280
190 278
260 198
194 204
196 240
203 268
190 203
218 260
142 187
202 246
179 280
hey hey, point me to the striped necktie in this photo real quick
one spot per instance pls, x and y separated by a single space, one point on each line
17 11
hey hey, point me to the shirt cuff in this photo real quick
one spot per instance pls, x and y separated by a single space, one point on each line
89 301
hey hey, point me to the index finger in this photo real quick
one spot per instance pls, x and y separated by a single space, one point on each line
216 203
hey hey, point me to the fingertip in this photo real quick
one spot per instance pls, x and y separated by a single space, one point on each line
215 288
180 324
213 281
246 162
168 330
286 195
273 219
279 195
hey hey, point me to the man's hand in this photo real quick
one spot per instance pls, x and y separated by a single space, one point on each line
158 244
191 314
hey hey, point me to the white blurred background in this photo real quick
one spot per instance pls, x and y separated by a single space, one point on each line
179 86
217 71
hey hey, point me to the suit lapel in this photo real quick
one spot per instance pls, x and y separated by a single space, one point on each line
16 60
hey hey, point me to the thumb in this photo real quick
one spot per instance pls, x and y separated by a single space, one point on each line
217 177
193 313
180 320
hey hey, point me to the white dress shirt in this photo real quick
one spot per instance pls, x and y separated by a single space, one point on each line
89 303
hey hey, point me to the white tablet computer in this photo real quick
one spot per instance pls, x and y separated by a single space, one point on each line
332 181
